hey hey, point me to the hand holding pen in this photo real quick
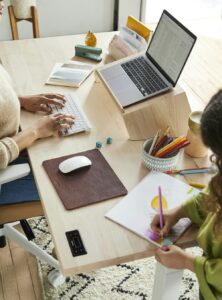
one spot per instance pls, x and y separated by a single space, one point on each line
171 217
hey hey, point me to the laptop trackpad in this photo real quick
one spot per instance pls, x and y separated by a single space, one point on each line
123 88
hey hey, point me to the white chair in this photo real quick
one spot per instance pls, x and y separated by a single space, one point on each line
20 212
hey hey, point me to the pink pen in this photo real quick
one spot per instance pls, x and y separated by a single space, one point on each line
160 207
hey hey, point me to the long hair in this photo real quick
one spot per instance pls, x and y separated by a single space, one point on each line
211 131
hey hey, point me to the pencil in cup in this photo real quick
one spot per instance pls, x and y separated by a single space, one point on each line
176 144
156 163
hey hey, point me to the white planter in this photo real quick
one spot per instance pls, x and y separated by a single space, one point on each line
22 8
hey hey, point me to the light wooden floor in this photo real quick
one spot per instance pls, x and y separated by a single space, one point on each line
19 279
18 270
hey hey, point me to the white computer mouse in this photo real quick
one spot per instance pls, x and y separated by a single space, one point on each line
74 163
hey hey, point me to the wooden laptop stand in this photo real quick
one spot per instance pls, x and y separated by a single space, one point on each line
172 109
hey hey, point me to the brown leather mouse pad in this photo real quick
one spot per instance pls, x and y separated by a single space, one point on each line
85 186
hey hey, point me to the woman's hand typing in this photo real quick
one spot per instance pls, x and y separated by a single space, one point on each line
52 125
46 126
42 102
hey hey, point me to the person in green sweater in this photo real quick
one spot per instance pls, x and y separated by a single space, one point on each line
205 210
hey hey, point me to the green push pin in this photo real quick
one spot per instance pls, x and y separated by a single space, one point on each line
109 140
98 144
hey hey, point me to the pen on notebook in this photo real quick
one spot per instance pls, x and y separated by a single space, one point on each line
197 185
160 207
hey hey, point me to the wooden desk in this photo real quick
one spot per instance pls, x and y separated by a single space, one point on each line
29 62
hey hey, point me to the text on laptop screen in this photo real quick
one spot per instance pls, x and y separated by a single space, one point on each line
170 46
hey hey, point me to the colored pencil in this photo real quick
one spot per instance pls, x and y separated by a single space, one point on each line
166 132
172 145
197 185
175 149
154 141
160 144
185 172
160 207
177 171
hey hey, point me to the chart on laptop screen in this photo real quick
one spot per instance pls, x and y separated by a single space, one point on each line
170 47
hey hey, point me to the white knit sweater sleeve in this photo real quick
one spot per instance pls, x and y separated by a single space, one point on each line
9 151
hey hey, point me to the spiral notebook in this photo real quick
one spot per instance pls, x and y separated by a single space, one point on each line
85 186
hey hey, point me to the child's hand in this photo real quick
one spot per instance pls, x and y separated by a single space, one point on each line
175 258
171 217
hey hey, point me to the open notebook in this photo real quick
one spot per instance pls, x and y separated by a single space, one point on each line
136 210
71 73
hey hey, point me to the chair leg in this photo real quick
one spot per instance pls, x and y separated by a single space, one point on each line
55 277
13 23
20 239
2 237
35 24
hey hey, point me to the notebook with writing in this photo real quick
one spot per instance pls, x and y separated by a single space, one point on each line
85 186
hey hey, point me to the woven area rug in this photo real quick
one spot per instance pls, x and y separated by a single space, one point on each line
131 281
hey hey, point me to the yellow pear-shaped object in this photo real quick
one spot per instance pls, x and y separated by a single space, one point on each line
155 202
90 39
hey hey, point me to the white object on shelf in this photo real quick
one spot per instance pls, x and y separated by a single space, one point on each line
22 8
128 42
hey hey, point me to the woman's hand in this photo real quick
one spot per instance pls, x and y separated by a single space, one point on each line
53 124
42 102
45 127
171 217
175 258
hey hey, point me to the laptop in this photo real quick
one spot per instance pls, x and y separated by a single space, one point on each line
156 71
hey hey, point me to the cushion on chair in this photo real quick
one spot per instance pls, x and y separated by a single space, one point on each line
20 190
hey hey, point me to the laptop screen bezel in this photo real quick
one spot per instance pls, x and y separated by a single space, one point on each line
173 82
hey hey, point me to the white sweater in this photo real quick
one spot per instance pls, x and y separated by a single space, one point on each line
9 119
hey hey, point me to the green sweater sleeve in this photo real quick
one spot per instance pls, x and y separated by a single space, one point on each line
209 274
194 210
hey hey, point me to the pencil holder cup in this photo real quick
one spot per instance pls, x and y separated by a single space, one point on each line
157 163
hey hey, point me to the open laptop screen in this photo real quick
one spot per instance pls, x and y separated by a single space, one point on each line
170 46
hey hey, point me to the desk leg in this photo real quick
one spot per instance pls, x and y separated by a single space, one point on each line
166 283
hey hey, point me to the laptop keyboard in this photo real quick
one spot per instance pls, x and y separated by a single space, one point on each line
72 108
144 76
